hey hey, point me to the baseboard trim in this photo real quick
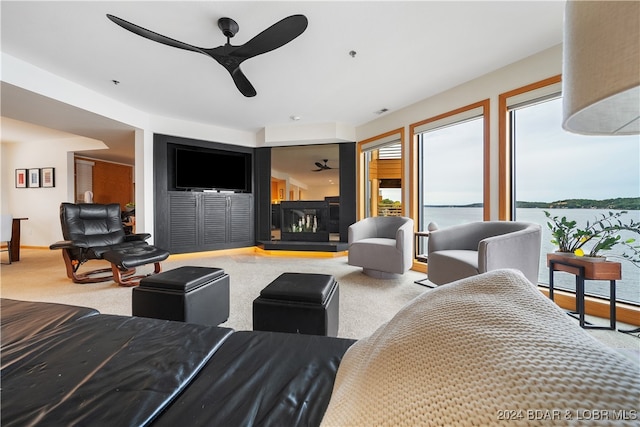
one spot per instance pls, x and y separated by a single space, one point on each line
299 254
255 250
625 313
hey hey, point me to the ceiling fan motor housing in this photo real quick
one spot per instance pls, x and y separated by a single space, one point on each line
228 26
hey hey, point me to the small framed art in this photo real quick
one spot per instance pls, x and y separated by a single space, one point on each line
34 178
21 178
48 177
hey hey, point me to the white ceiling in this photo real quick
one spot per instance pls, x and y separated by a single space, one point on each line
298 162
406 52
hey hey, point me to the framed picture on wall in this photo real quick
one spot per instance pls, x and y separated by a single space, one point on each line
34 178
48 176
21 178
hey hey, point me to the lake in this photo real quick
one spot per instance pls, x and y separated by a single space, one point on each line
627 289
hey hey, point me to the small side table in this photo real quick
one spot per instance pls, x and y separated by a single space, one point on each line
421 257
587 270
418 235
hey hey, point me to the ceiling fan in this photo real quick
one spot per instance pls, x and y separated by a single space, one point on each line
322 167
227 55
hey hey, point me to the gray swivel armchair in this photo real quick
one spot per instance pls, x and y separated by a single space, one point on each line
469 249
382 245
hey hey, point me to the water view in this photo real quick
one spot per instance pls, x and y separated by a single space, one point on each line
627 289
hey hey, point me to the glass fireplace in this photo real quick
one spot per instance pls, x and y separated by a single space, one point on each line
305 221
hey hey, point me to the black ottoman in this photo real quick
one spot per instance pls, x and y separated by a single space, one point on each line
298 303
187 294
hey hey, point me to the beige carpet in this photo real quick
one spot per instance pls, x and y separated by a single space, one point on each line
365 303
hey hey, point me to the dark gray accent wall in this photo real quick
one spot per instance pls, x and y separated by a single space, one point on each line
347 188
262 190
261 186
163 170
262 193
161 193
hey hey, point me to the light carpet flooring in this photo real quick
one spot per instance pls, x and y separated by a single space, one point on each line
365 302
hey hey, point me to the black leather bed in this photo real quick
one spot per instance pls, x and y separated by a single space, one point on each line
66 365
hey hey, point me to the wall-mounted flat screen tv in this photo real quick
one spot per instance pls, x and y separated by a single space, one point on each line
206 169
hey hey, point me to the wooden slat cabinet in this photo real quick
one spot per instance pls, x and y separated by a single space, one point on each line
201 221
183 221
240 220
215 216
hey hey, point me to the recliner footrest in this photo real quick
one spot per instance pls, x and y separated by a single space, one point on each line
127 259
135 256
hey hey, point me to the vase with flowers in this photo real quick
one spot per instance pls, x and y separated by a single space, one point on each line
596 237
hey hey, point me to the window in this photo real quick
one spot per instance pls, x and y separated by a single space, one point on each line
450 152
549 166
382 164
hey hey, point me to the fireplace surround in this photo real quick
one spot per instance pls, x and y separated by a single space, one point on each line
305 220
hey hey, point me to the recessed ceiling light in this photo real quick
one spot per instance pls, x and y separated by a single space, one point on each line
381 111
294 118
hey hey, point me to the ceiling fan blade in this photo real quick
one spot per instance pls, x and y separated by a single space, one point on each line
277 35
242 83
148 34
229 56
319 165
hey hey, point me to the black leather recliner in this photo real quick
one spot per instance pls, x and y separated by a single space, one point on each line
92 231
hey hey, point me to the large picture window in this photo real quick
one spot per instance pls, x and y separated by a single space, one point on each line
451 168
451 173
580 177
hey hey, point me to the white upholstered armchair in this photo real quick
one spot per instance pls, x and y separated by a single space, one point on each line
382 245
469 249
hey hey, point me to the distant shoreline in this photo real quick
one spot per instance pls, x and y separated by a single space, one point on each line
622 203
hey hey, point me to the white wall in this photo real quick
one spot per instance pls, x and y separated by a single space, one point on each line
320 192
43 226
537 67
26 76
40 205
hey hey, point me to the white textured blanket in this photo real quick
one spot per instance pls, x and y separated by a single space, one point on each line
487 350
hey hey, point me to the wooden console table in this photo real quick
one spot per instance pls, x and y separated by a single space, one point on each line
15 239
587 270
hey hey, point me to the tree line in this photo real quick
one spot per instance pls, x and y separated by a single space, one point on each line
620 203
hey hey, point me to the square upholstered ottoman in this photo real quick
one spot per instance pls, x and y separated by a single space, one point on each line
186 294
299 303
